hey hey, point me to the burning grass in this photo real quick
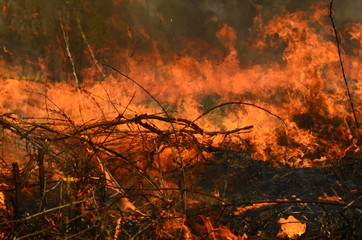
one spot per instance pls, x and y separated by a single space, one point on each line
157 177
98 160
83 179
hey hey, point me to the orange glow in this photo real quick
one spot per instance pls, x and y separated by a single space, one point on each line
2 198
291 227
296 104
310 74
221 232
331 198
241 210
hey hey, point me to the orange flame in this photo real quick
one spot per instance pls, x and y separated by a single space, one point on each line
301 84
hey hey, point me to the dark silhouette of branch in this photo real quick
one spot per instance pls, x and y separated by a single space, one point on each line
239 103
343 71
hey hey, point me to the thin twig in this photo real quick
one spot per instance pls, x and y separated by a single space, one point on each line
66 42
236 204
239 103
42 179
159 104
18 209
48 211
343 72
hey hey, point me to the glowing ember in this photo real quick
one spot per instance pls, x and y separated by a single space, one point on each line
291 227
331 198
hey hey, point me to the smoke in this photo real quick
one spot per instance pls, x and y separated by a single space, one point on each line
349 10
31 30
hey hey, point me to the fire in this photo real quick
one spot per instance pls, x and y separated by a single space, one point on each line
291 228
305 90
147 118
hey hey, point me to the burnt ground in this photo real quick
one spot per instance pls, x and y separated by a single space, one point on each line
243 181
228 188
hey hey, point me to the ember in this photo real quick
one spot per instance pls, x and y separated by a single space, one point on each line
180 120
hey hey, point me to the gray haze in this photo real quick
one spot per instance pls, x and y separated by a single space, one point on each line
32 29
